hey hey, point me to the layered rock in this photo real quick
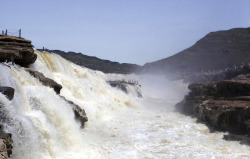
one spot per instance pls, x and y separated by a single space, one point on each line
223 105
80 114
45 81
17 50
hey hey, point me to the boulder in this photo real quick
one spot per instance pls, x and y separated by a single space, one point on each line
45 81
8 92
17 50
80 114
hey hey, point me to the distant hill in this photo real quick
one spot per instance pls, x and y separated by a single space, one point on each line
217 50
95 63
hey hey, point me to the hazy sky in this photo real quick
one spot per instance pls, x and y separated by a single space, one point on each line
132 31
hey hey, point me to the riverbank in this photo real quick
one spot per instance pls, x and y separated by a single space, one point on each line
223 106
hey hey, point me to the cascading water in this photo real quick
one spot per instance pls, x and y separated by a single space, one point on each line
119 126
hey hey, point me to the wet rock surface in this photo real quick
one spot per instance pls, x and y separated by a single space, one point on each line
5 138
17 50
123 86
45 81
243 139
5 144
80 114
223 105
8 92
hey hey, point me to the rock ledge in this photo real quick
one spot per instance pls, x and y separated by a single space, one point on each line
224 106
17 50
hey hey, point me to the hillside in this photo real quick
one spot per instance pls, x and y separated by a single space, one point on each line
217 50
95 63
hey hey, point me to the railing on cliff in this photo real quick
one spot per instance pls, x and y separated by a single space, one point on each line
16 33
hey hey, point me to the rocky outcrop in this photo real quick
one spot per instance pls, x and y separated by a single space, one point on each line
5 144
80 114
223 105
17 50
45 81
123 85
8 92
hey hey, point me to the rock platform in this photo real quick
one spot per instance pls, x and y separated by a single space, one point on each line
16 50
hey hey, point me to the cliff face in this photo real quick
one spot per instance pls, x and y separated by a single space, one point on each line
217 50
223 105
17 50
95 63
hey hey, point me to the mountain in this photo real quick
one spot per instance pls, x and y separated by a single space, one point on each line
217 50
95 63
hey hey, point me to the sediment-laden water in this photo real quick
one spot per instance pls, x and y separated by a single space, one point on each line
119 126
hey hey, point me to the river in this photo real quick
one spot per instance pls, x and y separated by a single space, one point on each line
120 125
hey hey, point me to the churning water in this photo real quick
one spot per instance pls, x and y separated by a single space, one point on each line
119 126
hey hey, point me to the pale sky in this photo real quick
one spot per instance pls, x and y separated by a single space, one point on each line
130 31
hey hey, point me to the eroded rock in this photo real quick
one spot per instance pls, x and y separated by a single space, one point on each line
45 81
80 114
17 50
223 105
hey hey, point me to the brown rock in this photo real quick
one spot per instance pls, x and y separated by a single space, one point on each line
223 105
17 50
80 114
45 81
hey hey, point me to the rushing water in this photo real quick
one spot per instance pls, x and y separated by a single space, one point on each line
119 126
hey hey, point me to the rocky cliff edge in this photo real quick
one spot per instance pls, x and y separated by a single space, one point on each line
17 50
223 106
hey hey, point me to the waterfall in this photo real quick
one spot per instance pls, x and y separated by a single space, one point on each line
120 125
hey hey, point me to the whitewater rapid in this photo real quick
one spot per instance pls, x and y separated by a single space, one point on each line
120 125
